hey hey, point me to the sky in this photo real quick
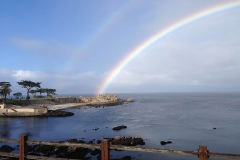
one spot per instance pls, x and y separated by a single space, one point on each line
74 46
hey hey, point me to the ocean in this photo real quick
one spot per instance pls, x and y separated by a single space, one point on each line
186 119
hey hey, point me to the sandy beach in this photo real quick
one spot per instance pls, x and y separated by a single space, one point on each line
50 106
64 106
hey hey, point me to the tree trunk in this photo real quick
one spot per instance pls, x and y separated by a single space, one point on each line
5 97
27 98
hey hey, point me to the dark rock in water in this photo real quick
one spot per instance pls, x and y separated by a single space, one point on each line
129 141
81 141
58 150
58 113
123 158
30 148
109 139
126 158
99 141
34 154
165 142
73 141
6 148
45 149
95 128
130 100
119 127
95 152
77 153
214 128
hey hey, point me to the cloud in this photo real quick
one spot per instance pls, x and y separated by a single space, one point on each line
63 82
201 56
21 74
45 47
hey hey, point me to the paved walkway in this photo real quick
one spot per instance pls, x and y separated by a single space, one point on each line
49 106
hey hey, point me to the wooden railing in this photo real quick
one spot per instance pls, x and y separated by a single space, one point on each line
202 152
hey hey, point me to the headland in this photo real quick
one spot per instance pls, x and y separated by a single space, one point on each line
49 108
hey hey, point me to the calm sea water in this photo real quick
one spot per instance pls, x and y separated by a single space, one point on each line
186 119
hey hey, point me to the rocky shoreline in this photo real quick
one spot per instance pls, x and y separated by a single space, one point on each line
54 108
77 152
97 101
58 113
72 152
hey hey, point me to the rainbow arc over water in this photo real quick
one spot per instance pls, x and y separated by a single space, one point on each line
147 43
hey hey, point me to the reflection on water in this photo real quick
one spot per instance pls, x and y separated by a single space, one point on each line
14 127
185 119
5 131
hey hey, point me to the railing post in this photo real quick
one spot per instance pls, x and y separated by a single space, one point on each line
23 147
105 150
203 153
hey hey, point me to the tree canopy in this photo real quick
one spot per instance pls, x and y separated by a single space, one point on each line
41 90
5 89
17 94
29 85
5 83
50 92
33 92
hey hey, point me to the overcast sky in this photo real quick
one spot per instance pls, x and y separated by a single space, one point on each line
72 46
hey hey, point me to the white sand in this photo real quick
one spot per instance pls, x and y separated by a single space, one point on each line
63 106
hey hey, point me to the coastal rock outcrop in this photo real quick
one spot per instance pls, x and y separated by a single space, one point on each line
59 151
97 101
99 98
6 148
129 141
58 113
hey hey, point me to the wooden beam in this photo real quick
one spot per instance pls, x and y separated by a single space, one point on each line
9 140
45 158
4 154
105 154
64 144
23 147
203 153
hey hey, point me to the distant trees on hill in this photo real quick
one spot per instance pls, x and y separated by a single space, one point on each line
29 85
5 89
17 95
50 92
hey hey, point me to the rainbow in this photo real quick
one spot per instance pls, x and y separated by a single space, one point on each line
140 48
102 29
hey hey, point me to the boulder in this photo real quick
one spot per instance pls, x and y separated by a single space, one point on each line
73 141
6 148
129 100
126 158
81 141
95 152
45 149
60 150
129 141
165 142
74 152
119 127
